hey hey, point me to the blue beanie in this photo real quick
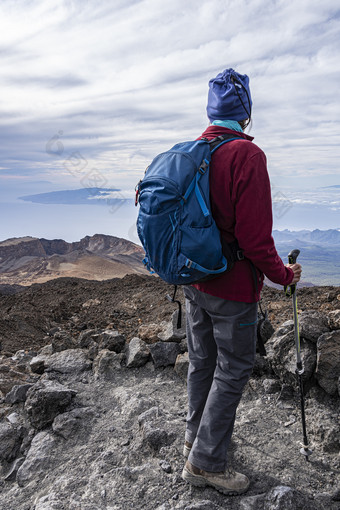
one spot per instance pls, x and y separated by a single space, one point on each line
225 101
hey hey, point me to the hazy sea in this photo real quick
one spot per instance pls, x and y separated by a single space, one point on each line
298 211
292 210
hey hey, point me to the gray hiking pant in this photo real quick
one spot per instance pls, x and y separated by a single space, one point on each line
221 344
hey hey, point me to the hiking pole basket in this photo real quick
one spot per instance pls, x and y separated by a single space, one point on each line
291 291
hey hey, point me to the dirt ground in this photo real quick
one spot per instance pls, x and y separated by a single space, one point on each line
75 304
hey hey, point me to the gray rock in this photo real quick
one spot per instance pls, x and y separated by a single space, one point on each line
112 340
68 424
23 357
18 393
203 505
281 353
164 353
184 345
37 364
170 331
283 497
14 419
328 361
45 400
284 328
13 469
149 332
10 441
312 325
271 386
334 319
92 350
149 415
62 341
106 364
48 502
262 366
252 502
47 350
325 429
71 361
156 437
86 337
137 353
182 365
166 466
336 495
38 460
286 393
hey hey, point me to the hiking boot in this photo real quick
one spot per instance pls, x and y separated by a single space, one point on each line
186 449
228 482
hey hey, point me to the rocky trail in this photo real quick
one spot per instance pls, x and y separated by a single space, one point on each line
93 402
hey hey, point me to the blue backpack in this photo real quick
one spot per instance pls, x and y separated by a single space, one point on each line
181 240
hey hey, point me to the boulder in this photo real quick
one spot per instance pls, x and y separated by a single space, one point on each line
86 338
71 361
47 350
203 505
38 461
18 393
283 497
252 502
45 400
62 341
328 361
156 437
38 364
106 364
334 319
10 441
312 325
112 340
137 353
170 332
68 424
149 415
11 473
164 353
281 353
149 332
271 386
182 365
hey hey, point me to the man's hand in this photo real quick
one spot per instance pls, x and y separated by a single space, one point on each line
297 269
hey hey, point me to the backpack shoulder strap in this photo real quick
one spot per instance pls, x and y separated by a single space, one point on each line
221 140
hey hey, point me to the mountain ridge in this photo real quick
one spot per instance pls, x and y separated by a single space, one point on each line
28 260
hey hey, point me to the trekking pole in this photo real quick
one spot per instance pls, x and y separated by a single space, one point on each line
292 256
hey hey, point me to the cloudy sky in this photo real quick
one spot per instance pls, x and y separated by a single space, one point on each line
90 91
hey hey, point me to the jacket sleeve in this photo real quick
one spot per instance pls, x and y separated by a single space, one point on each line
253 219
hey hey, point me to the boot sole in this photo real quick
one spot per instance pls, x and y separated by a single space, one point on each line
201 481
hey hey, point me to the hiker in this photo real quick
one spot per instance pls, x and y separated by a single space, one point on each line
222 312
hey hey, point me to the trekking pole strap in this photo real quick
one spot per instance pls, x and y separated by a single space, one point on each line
173 300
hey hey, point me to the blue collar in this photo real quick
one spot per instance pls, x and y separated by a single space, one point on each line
230 124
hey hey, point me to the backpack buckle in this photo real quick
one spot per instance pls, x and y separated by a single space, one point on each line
203 166
240 255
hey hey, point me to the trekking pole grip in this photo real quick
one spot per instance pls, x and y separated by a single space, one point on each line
292 256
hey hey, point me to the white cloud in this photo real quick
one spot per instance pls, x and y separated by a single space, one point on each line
124 80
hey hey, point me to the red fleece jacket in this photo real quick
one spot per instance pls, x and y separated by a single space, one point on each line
242 208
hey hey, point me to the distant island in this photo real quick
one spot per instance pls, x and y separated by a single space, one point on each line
82 196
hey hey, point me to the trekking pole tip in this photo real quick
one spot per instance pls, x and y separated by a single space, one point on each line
306 452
